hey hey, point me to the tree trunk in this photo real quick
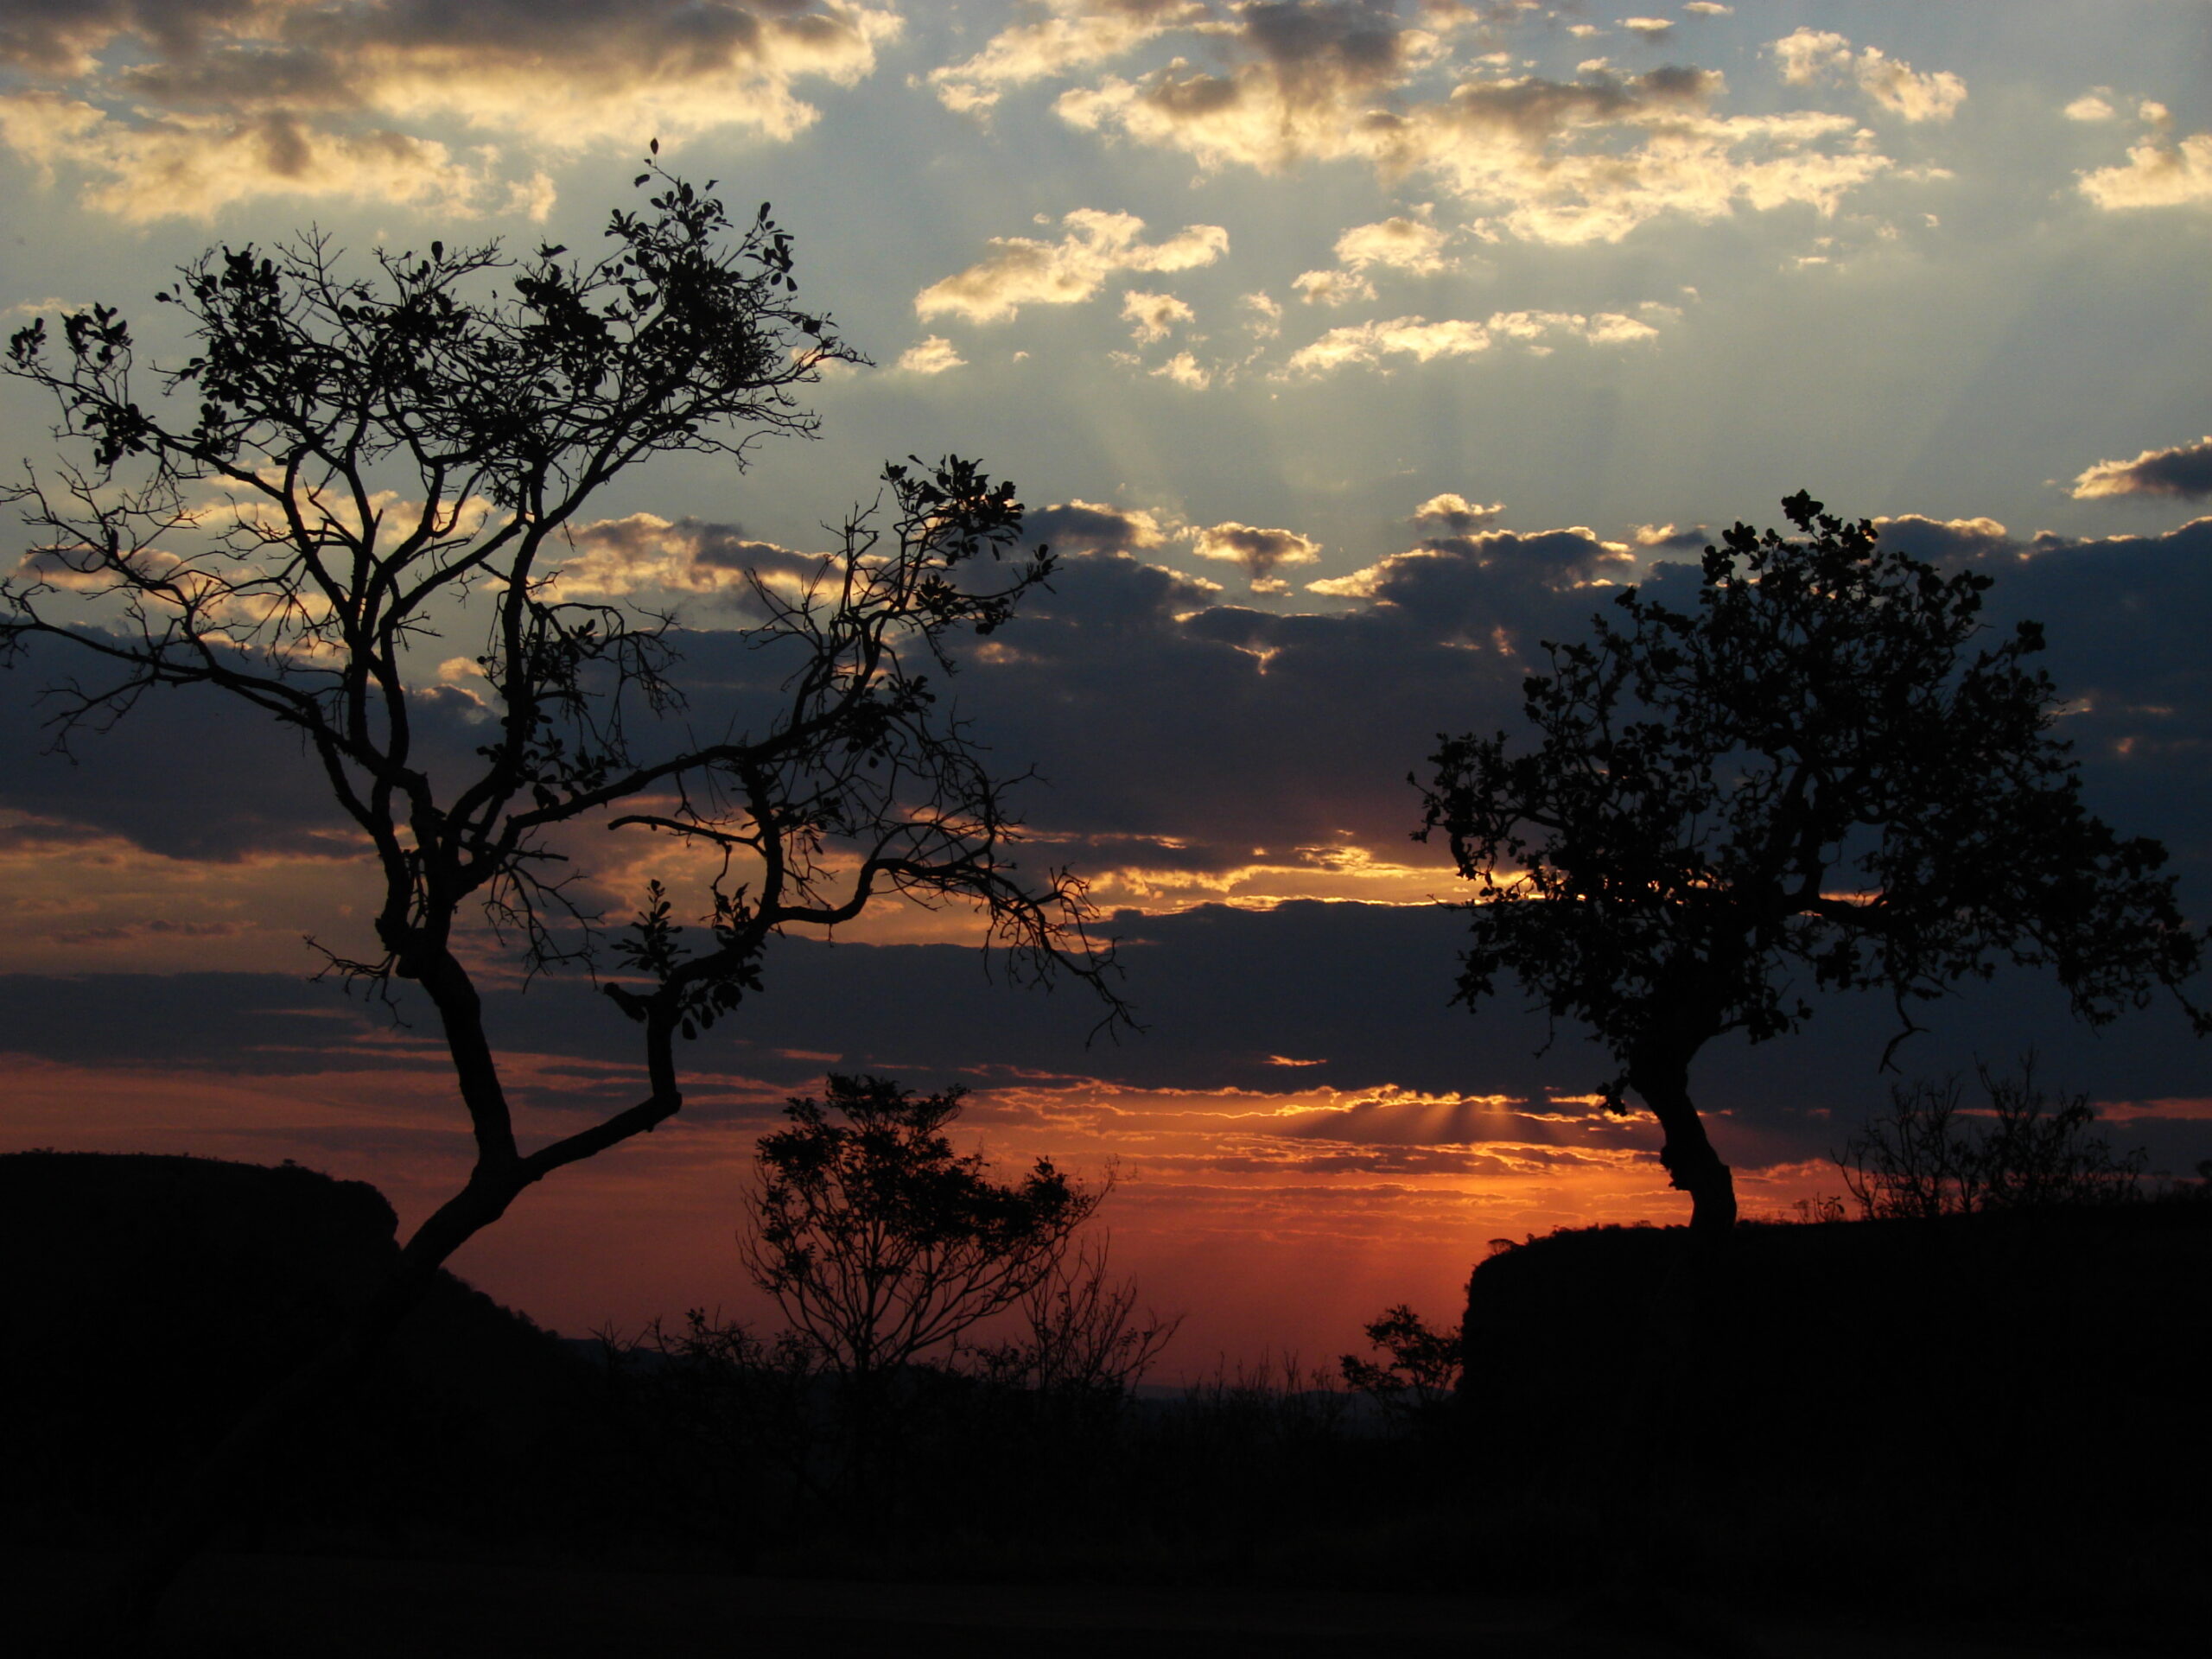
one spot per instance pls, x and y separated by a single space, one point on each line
1663 1082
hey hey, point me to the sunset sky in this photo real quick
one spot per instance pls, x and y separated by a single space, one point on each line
1344 352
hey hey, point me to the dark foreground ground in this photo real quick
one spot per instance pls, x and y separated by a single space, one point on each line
1935 1440
258 1607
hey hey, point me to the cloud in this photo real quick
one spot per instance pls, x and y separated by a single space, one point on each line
1811 55
1580 160
1332 288
164 167
2183 471
1027 271
1185 371
1260 553
1367 344
1946 541
645 553
1089 527
2090 106
1077 34
934 355
187 109
2156 175
1650 28
1708 8
1450 580
1152 316
1668 538
1408 244
1455 515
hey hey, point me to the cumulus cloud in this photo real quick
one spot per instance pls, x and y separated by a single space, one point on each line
1152 316
1258 552
1668 538
1408 243
1946 541
2091 106
167 166
646 553
1185 371
1332 288
1029 271
2184 472
1092 527
1459 576
1367 344
2156 175
1076 34
186 108
1565 161
1812 55
1708 9
1650 28
933 355
1455 515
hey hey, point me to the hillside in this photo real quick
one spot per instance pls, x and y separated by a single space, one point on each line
155 1296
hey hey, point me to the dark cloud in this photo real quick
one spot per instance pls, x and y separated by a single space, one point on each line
167 776
1223 992
1454 515
1088 527
2184 471
185 107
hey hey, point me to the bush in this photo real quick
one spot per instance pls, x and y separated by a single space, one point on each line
1926 1157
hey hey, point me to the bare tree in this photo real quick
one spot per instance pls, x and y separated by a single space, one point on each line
351 467
1084 1333
1925 1158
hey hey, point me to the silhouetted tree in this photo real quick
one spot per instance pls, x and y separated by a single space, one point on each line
1423 1369
1922 1158
1084 1335
879 1242
349 467
1827 767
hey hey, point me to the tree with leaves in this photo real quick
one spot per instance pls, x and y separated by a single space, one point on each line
879 1242
1831 771
350 467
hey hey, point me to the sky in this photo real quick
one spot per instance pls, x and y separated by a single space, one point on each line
1343 352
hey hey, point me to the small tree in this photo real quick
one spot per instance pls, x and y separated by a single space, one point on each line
1923 1158
350 467
1826 768
1423 1369
879 1242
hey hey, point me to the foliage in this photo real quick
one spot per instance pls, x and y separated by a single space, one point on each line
879 1242
1923 1158
1828 767
1423 1368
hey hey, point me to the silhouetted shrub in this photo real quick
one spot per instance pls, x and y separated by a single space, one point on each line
1923 1158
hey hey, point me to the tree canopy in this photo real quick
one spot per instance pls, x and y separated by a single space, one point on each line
880 1242
1832 773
